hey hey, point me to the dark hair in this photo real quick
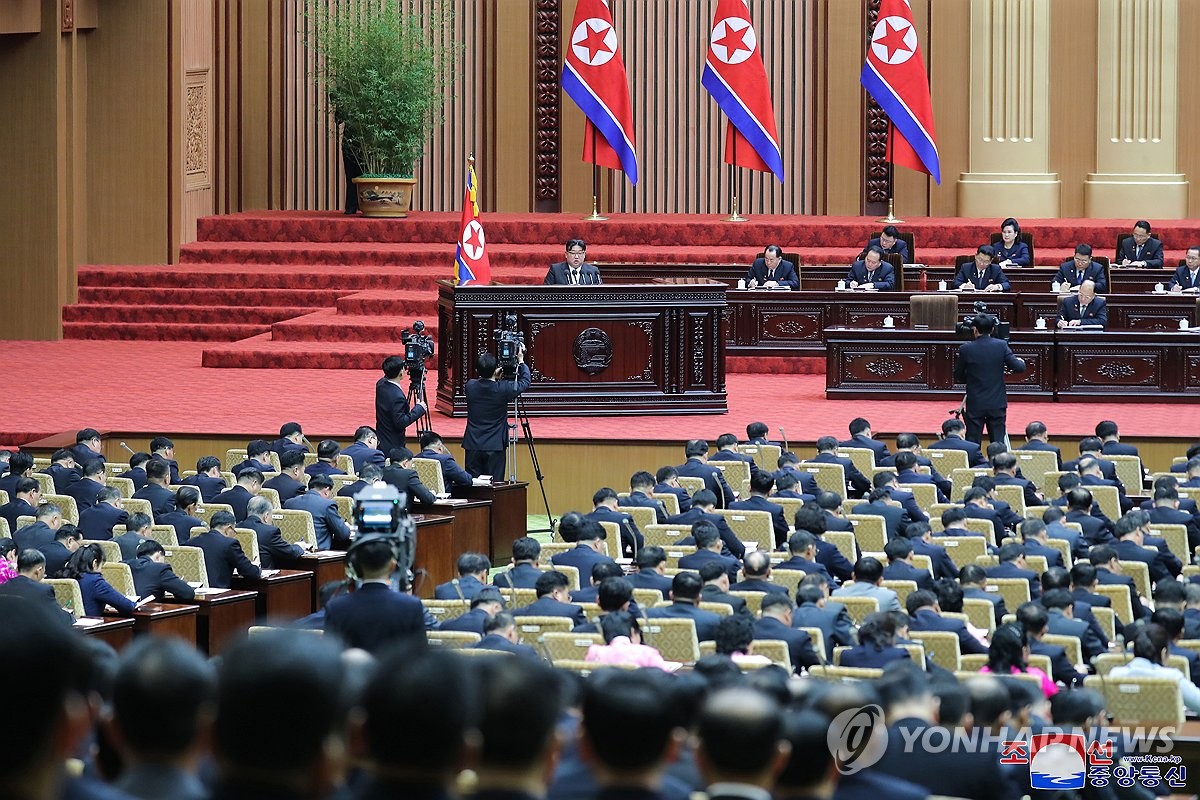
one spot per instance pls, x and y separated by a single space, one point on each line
734 634
1006 651
898 549
320 482
878 631
664 474
810 517
526 548
472 563
602 494
761 482
987 250
605 569
650 557
549 582
84 560
1083 574
291 458
829 501
1101 554
984 323
1082 249
918 600
7 546
640 479
1074 707
1010 221
392 367
485 365
519 703
952 515
1056 598
685 586
711 571
613 593
149 547
905 461
157 470
739 729
161 690
257 447
576 243
250 475
428 439
628 717
138 459
811 757
858 425
757 430
19 463
328 448
29 559
186 496
695 447
801 541
1151 642
93 467
704 533
1033 618
868 569
86 434
618 623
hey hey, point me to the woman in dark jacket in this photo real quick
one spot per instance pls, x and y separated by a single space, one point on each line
84 567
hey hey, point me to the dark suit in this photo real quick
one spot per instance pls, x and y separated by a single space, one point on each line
36 593
800 646
560 274
902 571
324 468
894 518
1184 279
974 453
808 567
756 502
984 512
728 537
980 365
927 620
1130 551
975 774
1164 515
1106 578
172 467
272 547
943 565
711 593
1090 644
757 585
649 579
1151 252
222 556
858 440
547 606
471 622
466 587
19 508
859 482
836 523
57 555
494 641
1052 555
374 616
1061 668
1044 447
152 578
521 576
1094 530
392 414
236 498
362 455
209 486
1018 254
162 499
33 537
871 657
701 557
486 434
137 475
84 491
63 476
969 274
631 538
1070 276
784 273
909 476
99 521
681 495
831 558
995 599
330 528
1008 569
1028 490
883 278
833 621
806 482
266 468
583 558
1094 315
713 479
899 248
287 486
452 473
99 593
706 621
641 500
128 542
183 524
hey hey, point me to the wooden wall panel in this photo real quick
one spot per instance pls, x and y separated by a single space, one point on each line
1073 100
506 157
192 117
948 60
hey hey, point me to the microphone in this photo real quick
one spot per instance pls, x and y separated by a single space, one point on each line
458 589
127 449
784 436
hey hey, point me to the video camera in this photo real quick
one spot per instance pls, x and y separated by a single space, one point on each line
418 349
509 343
380 515
966 328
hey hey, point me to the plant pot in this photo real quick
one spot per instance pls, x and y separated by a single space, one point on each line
385 197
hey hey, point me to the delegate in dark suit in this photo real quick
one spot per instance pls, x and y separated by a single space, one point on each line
209 486
1093 315
162 499
331 529
649 579
392 414
1151 252
128 542
361 454
560 274
883 278
33 537
759 503
1008 569
494 641
37 593
407 481
84 491
642 500
800 646
63 476
524 576
1044 447
466 587
895 520
928 620
547 606
976 774
287 486
99 520
970 275
874 445
980 365
784 273
471 622
974 453
706 621
975 593
833 621
236 498
854 477
728 537
153 578
452 473
222 556
57 555
871 657
1068 274
903 571
182 523
19 508
714 479
631 537
272 547
701 557
137 475
1185 278
582 557
373 616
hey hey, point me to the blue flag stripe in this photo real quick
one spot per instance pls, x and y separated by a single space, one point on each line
904 120
604 120
743 120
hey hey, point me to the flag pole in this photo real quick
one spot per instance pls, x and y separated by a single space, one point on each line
733 182
891 218
595 215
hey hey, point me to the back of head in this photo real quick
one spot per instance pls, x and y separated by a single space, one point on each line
186 496
734 634
1010 551
650 556
739 731
549 582
905 460
800 542
1151 642
695 448
829 501
756 564
903 682
952 426
898 549
989 699
726 440
258 506
392 366
615 624
1076 707
519 703
878 630
158 470
641 481
762 482
627 718
429 439
811 517
858 425
705 533
868 569
163 692
757 430
526 548
685 586
260 728
922 598
291 459
416 683
614 593
1032 618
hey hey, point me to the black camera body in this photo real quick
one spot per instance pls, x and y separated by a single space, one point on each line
380 515
509 342
418 349
966 328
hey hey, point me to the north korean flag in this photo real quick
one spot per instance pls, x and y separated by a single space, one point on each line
736 78
470 257
594 77
894 74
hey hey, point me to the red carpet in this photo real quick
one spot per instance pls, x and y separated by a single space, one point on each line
161 387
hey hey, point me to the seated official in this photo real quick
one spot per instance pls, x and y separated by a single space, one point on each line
84 567
890 243
1079 269
1140 249
1010 251
1084 310
573 271
872 272
982 275
1187 277
772 270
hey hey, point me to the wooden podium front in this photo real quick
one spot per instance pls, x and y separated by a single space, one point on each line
609 349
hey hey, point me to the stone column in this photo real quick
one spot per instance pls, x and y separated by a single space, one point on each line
1010 105
1137 61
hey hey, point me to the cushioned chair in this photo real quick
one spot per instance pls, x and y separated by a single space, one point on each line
1122 604
1121 237
753 600
574 582
1071 644
67 504
751 526
451 640
642 517
647 598
1023 236
110 549
122 485
1176 536
765 455
961 479
675 639
870 532
530 629
980 613
120 577
519 598
720 609
861 457
569 646
1129 472
676 552
937 312
295 525
1015 591
45 483
1145 702
924 493
735 471
165 535
272 495
205 511
670 502
774 649
788 578
1013 495
68 594
248 539
858 607
845 543
139 506
692 485
443 610
188 563
963 550
1140 572
947 461
790 506
1107 619
429 472
828 672
902 589
941 647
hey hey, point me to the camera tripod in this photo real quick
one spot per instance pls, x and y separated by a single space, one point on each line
522 418
416 394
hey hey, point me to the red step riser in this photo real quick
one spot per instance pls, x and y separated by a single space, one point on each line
330 330
160 332
258 298
323 359
423 307
182 315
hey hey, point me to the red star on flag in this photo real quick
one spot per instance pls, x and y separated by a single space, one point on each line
893 40
595 43
733 41
472 243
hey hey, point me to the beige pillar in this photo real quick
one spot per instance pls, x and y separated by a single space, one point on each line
1010 110
1136 111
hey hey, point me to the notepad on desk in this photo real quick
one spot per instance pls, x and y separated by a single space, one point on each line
267 573
206 590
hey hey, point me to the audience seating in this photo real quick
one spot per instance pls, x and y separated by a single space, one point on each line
858 607
980 613
765 455
1129 472
735 471
829 672
1015 591
753 601
670 502
925 494
869 532
111 550
272 495
569 646
961 480
165 535
774 649
1063 547
720 609
1013 495
70 509
188 563
751 526
829 477
1140 572
693 485
963 550
647 598
1176 536
248 539
1107 620
443 610
676 552
790 506
123 485
295 525
1109 500
902 589
844 541
947 461
1134 701
68 594
941 647
530 629
1071 644
120 577
574 581
45 483
861 457
642 517
451 640
205 511
1122 603
675 639
429 472
788 578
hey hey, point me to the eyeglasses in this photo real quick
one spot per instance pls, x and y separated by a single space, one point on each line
576 252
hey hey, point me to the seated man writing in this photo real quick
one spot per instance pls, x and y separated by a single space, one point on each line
872 272
981 275
1084 310
772 270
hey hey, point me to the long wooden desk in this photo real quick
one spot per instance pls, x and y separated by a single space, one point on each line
323 565
1060 364
469 523
115 631
286 595
507 518
609 349
166 619
223 615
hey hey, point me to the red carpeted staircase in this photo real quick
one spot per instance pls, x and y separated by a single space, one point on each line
321 290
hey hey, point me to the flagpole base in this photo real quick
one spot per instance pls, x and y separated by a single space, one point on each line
595 216
891 218
736 216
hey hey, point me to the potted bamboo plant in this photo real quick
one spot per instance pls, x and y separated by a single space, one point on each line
383 70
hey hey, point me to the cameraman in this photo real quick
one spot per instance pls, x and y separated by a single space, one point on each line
487 414
980 366
392 414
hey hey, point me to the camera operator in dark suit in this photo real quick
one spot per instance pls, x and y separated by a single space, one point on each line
980 365
573 271
392 412
488 397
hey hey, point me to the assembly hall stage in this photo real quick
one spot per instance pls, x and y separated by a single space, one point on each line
277 316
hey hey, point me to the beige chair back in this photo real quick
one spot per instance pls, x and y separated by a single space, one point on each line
751 526
647 598
925 494
980 613
676 552
844 542
166 535
941 647
1145 702
788 578
720 609
642 517
735 471
753 601
530 629
443 610
774 649
1140 572
1122 603
569 646
1034 464
902 589
345 506
429 472
861 457
120 577
858 607
829 477
110 549
828 672
674 638
765 455
1176 538
1015 591
1129 472
670 502
188 563
962 550
1108 498
296 525
248 539
870 532
983 527
272 495
345 463
1014 495
1071 644
67 504
204 511
946 461
692 485
1063 547
122 485
961 480
451 640
137 506
45 482
1107 619
68 594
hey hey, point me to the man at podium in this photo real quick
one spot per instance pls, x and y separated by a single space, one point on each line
573 271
